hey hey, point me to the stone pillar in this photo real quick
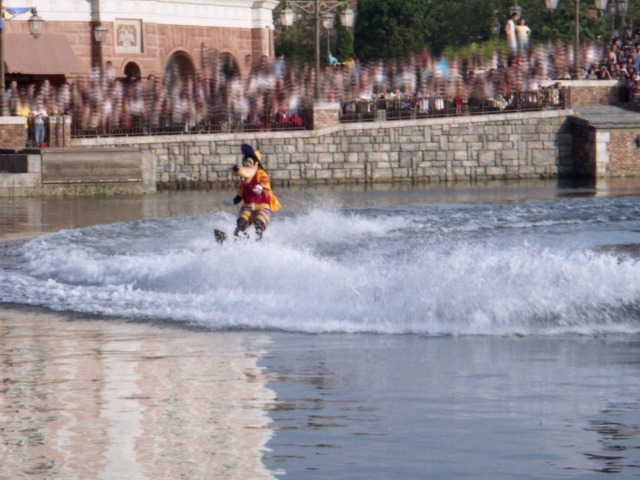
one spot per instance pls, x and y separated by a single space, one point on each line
325 115
12 132
60 131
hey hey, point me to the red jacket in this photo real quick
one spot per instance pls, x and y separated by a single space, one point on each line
245 190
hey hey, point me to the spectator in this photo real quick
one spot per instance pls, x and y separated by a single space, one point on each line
591 73
634 89
12 97
636 57
105 101
510 33
614 53
23 110
351 62
459 100
603 73
623 72
614 71
278 66
523 32
40 115
352 68
554 94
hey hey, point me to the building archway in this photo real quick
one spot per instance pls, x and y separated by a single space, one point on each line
132 70
228 66
180 65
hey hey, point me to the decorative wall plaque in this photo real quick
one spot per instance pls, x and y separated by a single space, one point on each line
128 36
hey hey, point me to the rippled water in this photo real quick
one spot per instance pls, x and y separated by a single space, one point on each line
88 399
414 407
536 266
404 333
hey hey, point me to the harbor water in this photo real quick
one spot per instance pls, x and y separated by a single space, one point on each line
392 332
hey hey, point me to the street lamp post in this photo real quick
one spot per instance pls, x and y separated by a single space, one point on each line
99 36
100 33
317 8
36 25
495 28
618 8
623 6
517 9
553 4
327 23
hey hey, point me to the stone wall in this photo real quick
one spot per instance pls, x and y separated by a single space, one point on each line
78 172
594 92
491 147
605 152
60 131
606 142
624 153
12 132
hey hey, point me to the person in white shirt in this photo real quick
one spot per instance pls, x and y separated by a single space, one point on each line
510 33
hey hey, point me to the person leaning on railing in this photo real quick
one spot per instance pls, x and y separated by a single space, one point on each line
40 115
23 110
603 73
553 95
634 90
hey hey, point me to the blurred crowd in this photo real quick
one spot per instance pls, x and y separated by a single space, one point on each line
275 91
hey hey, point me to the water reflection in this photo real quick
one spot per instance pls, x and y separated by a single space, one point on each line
619 435
95 399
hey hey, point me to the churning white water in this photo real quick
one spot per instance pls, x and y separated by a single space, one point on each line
543 267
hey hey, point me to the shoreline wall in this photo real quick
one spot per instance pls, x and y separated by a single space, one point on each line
471 148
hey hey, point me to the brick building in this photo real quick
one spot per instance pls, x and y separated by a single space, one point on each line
143 37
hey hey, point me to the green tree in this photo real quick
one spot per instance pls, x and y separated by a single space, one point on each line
396 28
297 42
463 22
344 42
559 24
392 28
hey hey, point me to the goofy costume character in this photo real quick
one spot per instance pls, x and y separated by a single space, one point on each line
254 191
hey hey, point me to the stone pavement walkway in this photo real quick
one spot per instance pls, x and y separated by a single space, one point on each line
606 116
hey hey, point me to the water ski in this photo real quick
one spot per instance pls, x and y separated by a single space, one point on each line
220 236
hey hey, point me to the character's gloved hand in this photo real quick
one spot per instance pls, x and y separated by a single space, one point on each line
228 202
258 189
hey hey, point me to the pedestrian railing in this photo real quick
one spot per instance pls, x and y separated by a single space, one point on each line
166 125
432 107
380 109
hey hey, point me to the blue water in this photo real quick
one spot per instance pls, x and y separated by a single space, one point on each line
467 407
412 335
530 267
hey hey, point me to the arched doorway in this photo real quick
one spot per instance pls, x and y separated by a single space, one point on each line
132 70
228 66
180 65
